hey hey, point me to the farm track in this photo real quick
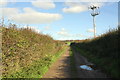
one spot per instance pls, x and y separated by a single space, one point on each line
61 68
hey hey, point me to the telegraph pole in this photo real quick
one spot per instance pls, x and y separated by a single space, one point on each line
94 13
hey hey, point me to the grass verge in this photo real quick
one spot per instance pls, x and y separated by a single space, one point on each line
39 67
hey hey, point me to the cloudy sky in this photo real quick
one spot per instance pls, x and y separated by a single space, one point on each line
63 20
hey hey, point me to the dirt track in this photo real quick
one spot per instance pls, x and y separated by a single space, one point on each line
61 68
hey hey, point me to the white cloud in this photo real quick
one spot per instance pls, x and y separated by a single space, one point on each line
47 28
92 0
28 10
8 11
63 32
65 35
90 30
43 5
36 18
3 3
77 7
29 16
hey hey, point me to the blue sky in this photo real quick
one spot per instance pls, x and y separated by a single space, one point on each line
62 20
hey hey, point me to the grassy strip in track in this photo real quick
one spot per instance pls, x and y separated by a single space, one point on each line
72 65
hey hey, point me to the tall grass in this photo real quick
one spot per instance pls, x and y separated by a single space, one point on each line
22 48
103 51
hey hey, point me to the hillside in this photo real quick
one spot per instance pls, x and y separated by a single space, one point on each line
27 54
103 51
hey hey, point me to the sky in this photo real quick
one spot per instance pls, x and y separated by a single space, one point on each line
62 20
